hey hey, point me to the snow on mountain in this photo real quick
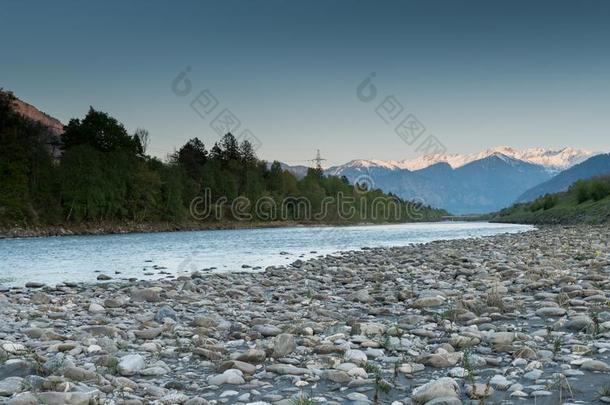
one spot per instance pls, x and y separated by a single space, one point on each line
552 160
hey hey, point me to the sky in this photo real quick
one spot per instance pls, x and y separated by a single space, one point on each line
288 75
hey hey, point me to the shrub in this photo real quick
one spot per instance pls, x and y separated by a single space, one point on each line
599 188
549 201
581 189
544 203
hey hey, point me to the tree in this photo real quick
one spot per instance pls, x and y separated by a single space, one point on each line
274 177
102 132
191 157
230 148
581 189
143 138
247 154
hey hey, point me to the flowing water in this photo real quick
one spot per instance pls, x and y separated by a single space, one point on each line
52 260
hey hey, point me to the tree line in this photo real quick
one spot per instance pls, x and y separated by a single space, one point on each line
105 175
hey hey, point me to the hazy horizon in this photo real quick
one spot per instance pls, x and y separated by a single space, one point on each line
476 75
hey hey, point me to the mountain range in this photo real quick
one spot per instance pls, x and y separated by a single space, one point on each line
552 160
474 183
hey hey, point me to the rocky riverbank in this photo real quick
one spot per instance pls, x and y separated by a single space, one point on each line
520 318
107 228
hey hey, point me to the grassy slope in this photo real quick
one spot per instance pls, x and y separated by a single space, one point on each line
566 211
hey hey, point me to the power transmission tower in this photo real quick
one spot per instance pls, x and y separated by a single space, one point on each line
318 160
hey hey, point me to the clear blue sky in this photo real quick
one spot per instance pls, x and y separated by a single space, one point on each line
476 73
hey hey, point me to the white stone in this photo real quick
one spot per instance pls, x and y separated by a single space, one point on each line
14 348
94 348
356 356
96 308
230 376
443 387
358 372
131 364
499 382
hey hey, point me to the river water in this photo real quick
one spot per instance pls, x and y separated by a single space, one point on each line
53 260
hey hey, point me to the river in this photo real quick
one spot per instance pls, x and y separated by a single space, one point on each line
52 260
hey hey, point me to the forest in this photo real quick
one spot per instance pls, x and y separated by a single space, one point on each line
104 174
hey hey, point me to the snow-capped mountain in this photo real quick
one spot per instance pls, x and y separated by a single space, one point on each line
478 186
552 160
465 183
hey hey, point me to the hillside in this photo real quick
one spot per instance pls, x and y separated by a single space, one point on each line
586 202
595 166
